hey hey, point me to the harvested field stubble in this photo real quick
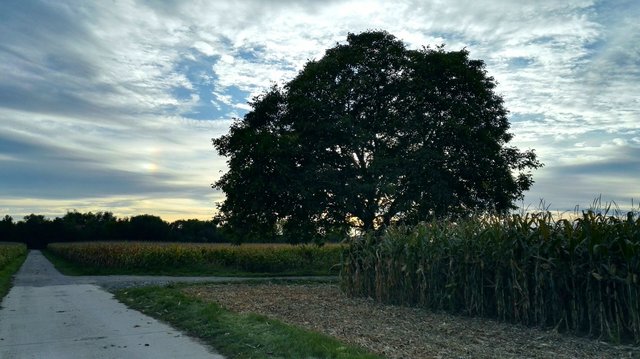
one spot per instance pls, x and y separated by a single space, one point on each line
401 332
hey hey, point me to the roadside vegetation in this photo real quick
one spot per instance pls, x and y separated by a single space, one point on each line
193 259
12 255
581 276
235 335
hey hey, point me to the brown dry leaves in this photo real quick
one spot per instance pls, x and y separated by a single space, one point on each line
399 332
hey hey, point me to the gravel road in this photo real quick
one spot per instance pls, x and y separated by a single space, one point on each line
38 271
49 315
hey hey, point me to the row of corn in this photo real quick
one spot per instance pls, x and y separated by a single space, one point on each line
10 251
252 258
579 275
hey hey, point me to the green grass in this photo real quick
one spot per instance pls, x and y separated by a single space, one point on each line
67 267
184 259
12 255
234 335
7 272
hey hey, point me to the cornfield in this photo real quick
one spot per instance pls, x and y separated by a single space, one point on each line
10 251
576 275
251 258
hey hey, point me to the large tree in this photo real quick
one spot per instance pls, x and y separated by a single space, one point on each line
370 134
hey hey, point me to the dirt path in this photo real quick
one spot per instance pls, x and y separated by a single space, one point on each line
48 315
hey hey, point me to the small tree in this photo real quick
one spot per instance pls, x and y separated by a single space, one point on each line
369 134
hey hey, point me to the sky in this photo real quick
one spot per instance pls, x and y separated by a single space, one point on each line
112 105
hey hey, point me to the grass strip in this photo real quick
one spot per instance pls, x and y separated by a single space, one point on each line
67 267
234 335
7 272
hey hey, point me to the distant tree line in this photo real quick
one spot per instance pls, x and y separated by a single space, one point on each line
37 231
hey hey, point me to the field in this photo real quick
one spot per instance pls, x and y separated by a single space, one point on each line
398 332
11 257
236 335
580 276
10 251
196 259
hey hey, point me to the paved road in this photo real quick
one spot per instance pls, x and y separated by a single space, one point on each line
48 315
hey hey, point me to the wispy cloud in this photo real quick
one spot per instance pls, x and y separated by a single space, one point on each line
113 104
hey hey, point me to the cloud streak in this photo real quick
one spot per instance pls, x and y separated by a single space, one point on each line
106 105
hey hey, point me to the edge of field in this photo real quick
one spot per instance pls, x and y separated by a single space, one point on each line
6 274
232 334
70 268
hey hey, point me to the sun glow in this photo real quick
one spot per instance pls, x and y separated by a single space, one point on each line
150 167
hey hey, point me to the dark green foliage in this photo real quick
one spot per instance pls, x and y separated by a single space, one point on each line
194 230
37 231
581 275
7 229
90 226
148 228
370 134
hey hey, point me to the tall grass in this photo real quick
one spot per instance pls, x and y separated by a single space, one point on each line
579 275
12 256
201 258
10 251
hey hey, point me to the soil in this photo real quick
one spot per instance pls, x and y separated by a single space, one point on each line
401 332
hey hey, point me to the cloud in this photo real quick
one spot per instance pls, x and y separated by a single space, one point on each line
592 169
116 102
173 208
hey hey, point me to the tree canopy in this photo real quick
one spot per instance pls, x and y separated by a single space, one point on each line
370 134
